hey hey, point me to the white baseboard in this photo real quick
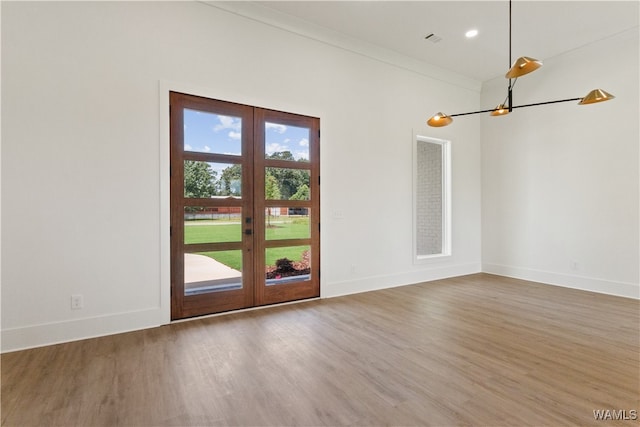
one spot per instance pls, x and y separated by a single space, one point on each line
73 330
373 283
78 329
32 336
622 289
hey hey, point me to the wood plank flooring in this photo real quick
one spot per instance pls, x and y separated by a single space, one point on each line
474 350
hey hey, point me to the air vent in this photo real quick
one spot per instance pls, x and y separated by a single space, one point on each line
433 38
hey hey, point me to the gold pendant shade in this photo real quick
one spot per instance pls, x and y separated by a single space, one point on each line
439 120
596 95
523 65
500 110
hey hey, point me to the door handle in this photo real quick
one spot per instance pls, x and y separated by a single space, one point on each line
248 231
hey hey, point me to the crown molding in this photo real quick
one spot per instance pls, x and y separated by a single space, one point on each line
260 13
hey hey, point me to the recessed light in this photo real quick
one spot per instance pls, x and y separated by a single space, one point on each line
471 34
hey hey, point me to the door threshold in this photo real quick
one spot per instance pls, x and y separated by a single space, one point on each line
242 310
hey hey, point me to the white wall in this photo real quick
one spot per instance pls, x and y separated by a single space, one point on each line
84 155
560 182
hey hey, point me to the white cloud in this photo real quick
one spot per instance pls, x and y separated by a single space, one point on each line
187 147
304 142
301 155
207 148
276 127
227 122
234 135
274 147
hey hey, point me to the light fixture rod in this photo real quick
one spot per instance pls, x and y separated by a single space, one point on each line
509 39
473 112
517 106
547 102
510 96
510 88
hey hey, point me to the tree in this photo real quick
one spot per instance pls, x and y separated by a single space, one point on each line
281 155
199 180
289 180
301 194
230 181
271 192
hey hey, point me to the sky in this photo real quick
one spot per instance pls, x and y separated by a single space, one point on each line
213 133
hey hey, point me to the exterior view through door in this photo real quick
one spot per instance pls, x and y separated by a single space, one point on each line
245 206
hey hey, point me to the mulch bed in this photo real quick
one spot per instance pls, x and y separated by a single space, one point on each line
286 268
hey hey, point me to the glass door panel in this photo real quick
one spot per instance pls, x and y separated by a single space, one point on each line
212 224
287 184
286 142
213 271
208 132
287 264
287 223
212 180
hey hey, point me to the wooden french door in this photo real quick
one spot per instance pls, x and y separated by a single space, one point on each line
245 206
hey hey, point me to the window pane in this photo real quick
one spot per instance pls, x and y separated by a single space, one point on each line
212 133
228 179
212 271
287 223
429 199
286 142
287 184
212 180
212 225
288 264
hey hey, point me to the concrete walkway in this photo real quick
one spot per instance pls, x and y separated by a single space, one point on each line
201 268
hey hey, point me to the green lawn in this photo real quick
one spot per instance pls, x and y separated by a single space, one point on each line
293 253
211 232
216 232
297 228
233 259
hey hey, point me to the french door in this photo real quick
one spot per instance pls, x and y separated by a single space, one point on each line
245 206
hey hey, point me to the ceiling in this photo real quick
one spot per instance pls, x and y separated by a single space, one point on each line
540 29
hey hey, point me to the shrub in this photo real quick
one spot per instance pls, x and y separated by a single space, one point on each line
284 264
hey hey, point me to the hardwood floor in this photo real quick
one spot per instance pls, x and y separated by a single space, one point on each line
475 350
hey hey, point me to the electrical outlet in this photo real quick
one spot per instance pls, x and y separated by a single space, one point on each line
77 302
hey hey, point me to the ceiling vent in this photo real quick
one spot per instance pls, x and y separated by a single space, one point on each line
433 38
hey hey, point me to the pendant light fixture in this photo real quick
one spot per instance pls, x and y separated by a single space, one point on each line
500 110
522 66
439 120
596 95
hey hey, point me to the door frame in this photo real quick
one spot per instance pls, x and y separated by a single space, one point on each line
223 94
